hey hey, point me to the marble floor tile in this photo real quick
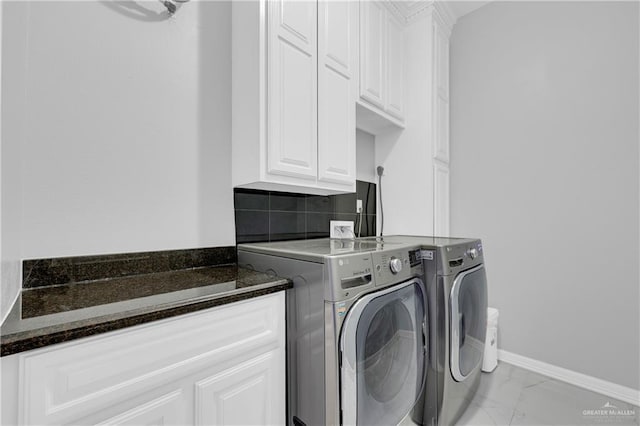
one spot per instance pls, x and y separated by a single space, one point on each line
514 396
557 403
484 412
502 385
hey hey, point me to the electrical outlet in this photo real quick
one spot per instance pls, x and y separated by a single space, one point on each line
358 206
341 229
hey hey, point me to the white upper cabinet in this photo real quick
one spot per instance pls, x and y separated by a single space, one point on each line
337 69
395 67
293 95
292 89
440 122
417 34
382 44
441 91
373 18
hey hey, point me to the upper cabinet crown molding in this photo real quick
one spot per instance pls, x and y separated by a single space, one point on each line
446 16
408 11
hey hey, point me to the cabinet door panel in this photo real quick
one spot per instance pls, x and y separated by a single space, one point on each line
441 57
441 93
336 95
337 156
441 124
336 35
292 90
441 200
222 398
166 410
395 67
297 18
372 30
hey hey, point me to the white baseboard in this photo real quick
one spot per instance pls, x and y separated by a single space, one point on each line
621 393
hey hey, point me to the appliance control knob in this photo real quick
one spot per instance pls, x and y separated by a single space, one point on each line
395 264
473 253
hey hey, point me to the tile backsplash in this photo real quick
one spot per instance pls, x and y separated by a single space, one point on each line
278 216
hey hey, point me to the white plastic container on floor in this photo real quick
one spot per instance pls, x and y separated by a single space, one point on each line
490 361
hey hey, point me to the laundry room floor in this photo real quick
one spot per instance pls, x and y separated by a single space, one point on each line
513 396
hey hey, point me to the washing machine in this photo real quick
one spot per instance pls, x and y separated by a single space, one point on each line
456 285
357 328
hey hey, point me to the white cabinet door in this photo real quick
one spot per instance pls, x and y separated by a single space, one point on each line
381 102
336 91
441 57
372 50
293 102
166 410
441 93
441 199
441 129
223 398
395 67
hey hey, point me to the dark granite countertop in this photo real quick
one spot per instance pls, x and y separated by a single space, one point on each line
46 315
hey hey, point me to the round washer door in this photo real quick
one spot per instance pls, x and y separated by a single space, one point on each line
383 349
468 329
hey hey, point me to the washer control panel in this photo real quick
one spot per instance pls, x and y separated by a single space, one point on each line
354 274
472 252
393 265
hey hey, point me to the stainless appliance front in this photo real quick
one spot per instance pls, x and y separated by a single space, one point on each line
383 349
468 321
456 280
356 324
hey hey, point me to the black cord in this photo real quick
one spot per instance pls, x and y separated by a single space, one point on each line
381 208
366 219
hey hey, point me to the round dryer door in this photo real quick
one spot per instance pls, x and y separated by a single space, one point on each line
468 321
383 348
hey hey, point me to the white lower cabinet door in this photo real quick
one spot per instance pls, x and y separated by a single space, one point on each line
251 393
165 410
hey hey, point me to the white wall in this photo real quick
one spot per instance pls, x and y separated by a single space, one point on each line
126 141
1 268
544 152
12 138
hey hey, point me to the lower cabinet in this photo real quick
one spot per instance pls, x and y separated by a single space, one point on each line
222 366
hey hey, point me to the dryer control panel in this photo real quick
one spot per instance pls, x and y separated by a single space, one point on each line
455 258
